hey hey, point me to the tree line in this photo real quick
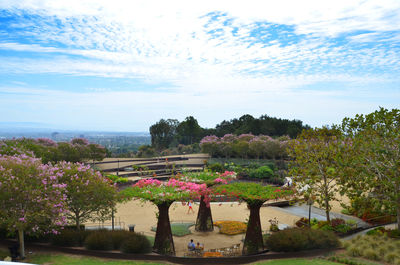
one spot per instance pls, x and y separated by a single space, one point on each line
168 133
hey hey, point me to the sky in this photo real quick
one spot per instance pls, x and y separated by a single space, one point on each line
123 65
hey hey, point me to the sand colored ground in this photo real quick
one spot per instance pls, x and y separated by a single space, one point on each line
143 216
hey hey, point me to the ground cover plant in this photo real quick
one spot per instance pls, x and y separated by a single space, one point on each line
297 239
344 259
380 231
231 227
375 247
178 229
337 225
261 170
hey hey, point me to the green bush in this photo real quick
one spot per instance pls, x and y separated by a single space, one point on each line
99 240
296 239
69 238
117 237
136 243
216 167
264 172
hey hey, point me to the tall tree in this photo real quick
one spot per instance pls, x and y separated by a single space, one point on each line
189 131
163 133
374 166
314 164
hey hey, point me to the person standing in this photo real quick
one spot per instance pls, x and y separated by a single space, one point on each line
190 204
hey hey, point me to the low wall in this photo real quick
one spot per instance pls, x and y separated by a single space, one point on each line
173 259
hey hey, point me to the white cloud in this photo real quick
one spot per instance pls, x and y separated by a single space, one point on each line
170 41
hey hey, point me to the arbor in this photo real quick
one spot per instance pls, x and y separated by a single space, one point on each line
314 164
254 195
163 133
374 164
204 222
31 197
89 195
163 195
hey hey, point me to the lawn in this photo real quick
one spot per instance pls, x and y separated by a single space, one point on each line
296 262
61 259
178 229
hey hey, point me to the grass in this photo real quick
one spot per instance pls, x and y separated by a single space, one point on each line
58 259
61 259
178 229
151 240
296 262
3 253
374 248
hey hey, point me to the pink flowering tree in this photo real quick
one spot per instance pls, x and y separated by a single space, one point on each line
163 195
204 221
31 197
209 144
89 195
254 195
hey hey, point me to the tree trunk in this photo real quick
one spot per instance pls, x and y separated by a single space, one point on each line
328 219
164 243
21 243
204 222
253 241
398 214
77 222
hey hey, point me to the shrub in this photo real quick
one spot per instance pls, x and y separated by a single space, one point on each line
216 167
354 251
337 221
296 239
99 240
136 243
372 254
264 172
394 233
302 222
117 237
69 238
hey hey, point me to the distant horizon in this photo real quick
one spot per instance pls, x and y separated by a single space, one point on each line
123 65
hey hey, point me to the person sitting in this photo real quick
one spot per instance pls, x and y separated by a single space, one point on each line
191 245
199 246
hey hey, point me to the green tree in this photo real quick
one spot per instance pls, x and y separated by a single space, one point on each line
189 131
374 164
163 133
314 164
89 195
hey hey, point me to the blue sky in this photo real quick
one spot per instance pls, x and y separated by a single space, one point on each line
123 65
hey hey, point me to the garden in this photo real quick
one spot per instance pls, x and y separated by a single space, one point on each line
59 199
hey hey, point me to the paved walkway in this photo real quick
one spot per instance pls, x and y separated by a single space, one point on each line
390 226
301 210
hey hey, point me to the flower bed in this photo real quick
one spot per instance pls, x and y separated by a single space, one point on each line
231 227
